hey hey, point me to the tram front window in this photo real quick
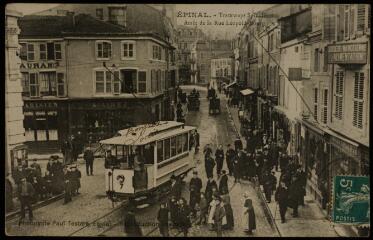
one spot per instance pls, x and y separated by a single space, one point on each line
117 157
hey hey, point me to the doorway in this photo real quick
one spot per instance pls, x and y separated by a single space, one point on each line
129 81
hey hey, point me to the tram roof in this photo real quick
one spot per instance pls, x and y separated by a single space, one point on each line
147 133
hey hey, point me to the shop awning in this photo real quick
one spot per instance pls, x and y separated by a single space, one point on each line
231 84
246 92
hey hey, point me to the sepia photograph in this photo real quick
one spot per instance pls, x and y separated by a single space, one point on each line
187 120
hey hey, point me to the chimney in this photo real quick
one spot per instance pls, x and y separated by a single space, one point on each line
71 16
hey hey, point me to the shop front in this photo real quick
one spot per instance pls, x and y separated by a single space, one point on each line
314 156
44 123
95 120
283 128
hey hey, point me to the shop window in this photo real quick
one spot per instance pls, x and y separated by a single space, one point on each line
325 107
23 52
103 50
167 153
57 51
128 50
173 146
339 91
160 151
43 51
142 81
60 85
48 83
30 52
358 100
34 85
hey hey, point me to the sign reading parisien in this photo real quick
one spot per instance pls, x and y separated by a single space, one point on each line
350 53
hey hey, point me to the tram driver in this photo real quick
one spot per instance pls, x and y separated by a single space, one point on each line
110 159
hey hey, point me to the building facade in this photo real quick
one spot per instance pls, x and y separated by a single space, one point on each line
15 149
222 69
89 77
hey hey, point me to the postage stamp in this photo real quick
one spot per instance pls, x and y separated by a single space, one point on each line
351 200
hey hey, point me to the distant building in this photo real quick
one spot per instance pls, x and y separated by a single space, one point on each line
81 74
15 150
222 69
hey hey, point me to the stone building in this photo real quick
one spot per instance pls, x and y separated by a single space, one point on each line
82 75
15 149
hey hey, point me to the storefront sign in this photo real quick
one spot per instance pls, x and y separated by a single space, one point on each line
345 147
40 113
42 65
352 53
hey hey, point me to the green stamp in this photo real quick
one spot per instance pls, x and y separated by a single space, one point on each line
351 200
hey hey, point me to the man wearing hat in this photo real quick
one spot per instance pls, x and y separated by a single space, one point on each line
229 157
195 186
75 179
89 157
25 193
36 166
219 216
223 183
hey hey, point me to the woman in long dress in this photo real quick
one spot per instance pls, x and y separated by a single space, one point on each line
249 214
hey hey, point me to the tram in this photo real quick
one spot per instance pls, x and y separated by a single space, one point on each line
140 160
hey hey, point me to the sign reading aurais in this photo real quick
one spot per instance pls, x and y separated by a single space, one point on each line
349 53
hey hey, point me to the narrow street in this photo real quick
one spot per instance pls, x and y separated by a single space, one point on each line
61 220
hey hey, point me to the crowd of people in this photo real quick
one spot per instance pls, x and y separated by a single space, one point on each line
33 186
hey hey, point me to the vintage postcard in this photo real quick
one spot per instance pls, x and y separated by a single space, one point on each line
195 120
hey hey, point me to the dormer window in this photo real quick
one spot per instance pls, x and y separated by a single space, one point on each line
103 50
117 15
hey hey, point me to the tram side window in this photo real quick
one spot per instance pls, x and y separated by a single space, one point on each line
167 149
173 146
149 153
185 142
179 144
160 151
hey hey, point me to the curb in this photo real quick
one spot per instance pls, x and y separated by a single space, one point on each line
35 206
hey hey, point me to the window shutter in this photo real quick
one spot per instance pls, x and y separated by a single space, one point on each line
116 83
339 94
358 100
325 107
361 17
315 98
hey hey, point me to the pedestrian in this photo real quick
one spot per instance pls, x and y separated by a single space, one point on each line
284 161
173 205
228 210
229 157
223 183
281 197
9 205
163 220
179 114
209 189
207 150
89 158
238 144
268 185
219 158
195 187
25 194
38 187
251 166
219 216
74 148
203 207
66 150
209 166
75 179
184 216
249 214
36 166
211 211
295 192
236 170
303 182
58 175
67 185
175 187
273 153
196 141
49 167
131 226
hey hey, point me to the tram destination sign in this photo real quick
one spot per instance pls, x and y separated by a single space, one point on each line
349 53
